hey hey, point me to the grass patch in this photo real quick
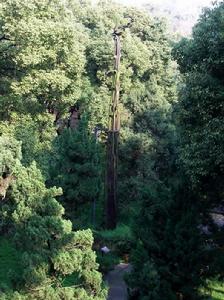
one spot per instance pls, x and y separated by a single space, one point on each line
121 232
119 241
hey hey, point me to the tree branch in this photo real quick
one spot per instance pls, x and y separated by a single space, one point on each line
4 38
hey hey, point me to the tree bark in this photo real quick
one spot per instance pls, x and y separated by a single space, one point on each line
112 143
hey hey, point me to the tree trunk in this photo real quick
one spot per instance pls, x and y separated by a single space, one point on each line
112 143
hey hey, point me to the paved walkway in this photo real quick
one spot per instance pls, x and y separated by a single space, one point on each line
117 285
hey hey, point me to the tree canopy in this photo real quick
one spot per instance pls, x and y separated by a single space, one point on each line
57 78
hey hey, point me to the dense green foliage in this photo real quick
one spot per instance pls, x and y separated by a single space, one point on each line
172 257
43 56
56 84
201 106
77 168
201 117
32 219
169 262
36 133
215 290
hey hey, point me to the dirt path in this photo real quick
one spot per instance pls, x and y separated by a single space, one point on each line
117 285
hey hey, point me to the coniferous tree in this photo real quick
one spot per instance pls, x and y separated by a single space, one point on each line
169 260
78 169
50 251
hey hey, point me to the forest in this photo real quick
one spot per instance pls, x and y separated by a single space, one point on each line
111 137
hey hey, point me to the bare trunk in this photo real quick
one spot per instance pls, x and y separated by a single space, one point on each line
112 143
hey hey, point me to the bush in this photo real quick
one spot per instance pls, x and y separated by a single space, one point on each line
119 241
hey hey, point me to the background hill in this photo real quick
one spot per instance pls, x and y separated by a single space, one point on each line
181 15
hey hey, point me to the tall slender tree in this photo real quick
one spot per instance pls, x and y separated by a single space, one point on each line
112 139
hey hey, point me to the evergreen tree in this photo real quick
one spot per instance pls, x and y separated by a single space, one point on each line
78 169
50 251
169 259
